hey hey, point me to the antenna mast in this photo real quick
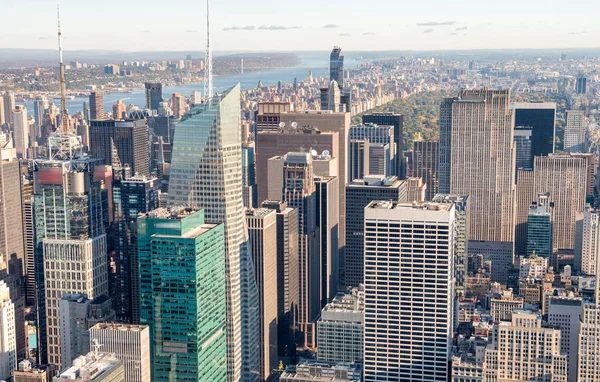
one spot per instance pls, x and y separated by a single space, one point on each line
208 74
64 120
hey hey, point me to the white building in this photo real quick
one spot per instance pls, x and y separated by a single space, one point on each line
8 341
93 367
128 343
340 328
409 290
575 132
534 267
586 251
502 308
20 131
563 314
522 350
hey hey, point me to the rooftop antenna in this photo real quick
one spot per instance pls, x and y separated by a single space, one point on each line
64 118
208 74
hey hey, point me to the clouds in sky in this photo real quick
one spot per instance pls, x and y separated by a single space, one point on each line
344 34
262 28
331 26
436 23
430 30
580 32
191 31
368 34
461 29
239 28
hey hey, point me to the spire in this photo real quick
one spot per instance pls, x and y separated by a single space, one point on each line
208 75
64 122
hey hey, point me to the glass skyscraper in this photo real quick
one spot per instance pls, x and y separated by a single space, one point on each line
539 232
206 173
183 294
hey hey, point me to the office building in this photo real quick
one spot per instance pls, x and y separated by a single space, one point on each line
540 118
299 191
574 140
128 343
96 105
119 110
419 346
502 307
461 218
533 267
287 276
360 193
340 328
415 189
396 120
328 219
358 154
539 232
382 150
130 138
563 314
482 119
28 238
425 159
178 105
524 350
499 253
28 371
525 195
564 177
267 115
8 340
524 158
76 314
182 264
207 141
262 233
586 246
581 85
93 367
3 113
132 196
249 186
9 107
20 126
40 104
322 371
331 98
153 95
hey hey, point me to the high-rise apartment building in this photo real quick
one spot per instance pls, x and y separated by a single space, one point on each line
408 334
586 249
8 340
425 159
183 294
130 137
128 343
153 95
336 66
119 110
539 232
396 120
132 196
20 131
340 328
564 177
524 350
178 105
262 233
461 218
574 140
328 219
208 141
360 193
96 105
563 314
480 119
540 118
287 276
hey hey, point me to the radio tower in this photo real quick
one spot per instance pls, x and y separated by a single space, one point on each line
64 117
208 74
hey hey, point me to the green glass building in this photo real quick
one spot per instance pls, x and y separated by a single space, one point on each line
183 294
539 232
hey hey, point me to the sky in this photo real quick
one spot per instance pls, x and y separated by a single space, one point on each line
291 25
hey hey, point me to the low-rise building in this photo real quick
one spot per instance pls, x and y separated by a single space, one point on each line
501 308
322 371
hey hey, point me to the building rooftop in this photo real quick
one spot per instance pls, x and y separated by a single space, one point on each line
174 213
376 181
259 212
119 327
390 205
90 367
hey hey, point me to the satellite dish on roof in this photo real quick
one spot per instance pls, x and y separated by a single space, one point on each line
294 124
325 153
282 124
313 153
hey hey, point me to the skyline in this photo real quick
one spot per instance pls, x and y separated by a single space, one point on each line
264 26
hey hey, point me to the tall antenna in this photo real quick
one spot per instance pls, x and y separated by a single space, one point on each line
64 120
208 74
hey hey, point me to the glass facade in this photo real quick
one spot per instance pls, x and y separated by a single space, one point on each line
183 295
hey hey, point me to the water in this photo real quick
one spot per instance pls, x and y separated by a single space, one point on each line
316 62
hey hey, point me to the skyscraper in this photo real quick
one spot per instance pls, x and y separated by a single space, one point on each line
134 195
299 192
249 190
336 66
178 105
523 144
129 344
328 218
480 119
262 232
581 84
287 276
130 138
119 110
208 141
96 105
360 193
499 253
358 155
39 106
586 252
2 111
8 345
153 95
575 132
183 294
564 177
540 118
396 120
425 159
408 334
563 314
20 131
9 107
382 150
539 232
